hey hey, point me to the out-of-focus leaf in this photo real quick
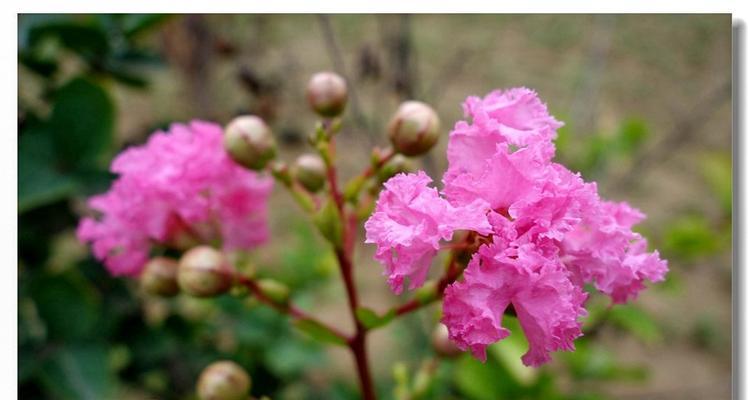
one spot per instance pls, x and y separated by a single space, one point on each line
135 24
636 321
690 237
291 357
509 352
39 183
371 319
68 307
88 40
590 362
329 224
631 135
82 122
318 332
79 372
717 170
479 381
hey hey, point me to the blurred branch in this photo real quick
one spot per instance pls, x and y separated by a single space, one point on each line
328 35
284 308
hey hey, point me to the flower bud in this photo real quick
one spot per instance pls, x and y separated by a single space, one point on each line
159 277
249 142
399 163
274 290
442 345
414 129
204 272
310 171
327 93
223 380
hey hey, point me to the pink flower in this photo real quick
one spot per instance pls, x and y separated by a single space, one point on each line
550 233
409 222
547 304
180 185
604 251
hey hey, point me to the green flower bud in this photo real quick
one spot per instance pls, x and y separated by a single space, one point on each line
274 290
223 380
327 93
204 272
399 163
442 345
311 172
249 142
159 277
414 129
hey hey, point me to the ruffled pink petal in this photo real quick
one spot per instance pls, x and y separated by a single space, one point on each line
410 221
547 304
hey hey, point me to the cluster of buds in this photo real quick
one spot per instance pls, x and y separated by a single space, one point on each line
201 272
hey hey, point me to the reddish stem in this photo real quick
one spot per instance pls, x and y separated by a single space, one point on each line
372 169
285 308
344 252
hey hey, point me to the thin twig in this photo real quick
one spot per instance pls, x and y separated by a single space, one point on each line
284 308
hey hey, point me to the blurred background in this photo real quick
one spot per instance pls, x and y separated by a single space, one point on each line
647 105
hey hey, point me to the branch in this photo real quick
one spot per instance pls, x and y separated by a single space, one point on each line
286 307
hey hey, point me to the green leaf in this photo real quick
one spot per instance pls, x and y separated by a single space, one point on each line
135 24
82 122
39 183
88 40
479 381
717 170
631 135
371 319
509 352
68 308
318 332
329 224
690 237
637 322
79 372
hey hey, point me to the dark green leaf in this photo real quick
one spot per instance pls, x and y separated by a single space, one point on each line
39 183
79 372
68 307
82 122
88 40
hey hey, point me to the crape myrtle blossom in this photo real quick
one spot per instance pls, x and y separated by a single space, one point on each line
549 232
178 188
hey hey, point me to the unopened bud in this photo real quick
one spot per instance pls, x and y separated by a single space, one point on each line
399 163
223 380
159 277
414 129
442 345
204 272
310 171
249 142
274 290
327 93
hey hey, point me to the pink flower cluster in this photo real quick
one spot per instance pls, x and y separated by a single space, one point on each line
546 232
180 188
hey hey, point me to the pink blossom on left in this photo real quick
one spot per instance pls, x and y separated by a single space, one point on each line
179 188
